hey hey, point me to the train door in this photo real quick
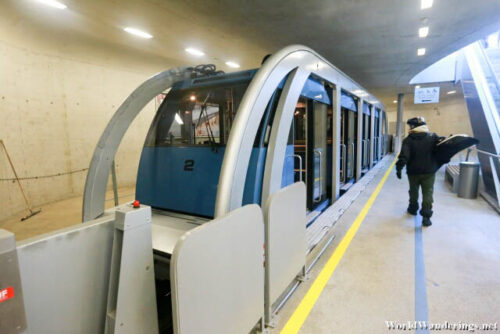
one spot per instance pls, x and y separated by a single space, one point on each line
348 135
310 143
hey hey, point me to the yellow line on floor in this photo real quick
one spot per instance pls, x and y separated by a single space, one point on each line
300 314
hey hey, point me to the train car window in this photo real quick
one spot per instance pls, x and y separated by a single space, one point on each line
196 117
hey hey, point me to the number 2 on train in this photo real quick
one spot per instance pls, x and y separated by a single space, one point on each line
189 165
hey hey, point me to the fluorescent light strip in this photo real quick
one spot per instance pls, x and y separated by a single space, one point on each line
232 64
452 92
53 3
421 52
395 101
195 52
423 32
138 33
425 4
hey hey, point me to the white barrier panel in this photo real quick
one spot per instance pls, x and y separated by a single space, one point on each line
65 278
217 275
286 246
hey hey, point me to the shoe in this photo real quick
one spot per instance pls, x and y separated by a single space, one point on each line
412 211
426 221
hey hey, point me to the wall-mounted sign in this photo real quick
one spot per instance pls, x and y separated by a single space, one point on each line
426 95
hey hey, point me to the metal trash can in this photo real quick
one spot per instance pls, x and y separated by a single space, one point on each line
468 179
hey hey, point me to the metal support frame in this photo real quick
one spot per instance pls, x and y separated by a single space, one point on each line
336 149
251 109
380 136
131 306
399 124
372 137
359 144
104 153
115 183
279 134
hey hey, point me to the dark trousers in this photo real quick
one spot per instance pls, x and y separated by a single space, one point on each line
426 181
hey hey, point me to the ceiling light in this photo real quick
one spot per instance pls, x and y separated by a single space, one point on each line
421 52
178 119
138 33
360 92
232 64
452 92
424 4
53 3
192 98
417 86
395 101
423 32
195 52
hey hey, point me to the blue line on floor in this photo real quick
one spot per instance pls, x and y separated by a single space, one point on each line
421 310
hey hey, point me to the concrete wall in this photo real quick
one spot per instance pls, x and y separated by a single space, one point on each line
56 96
450 116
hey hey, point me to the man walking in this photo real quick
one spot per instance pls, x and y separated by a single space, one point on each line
417 155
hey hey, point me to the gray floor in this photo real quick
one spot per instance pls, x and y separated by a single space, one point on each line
375 280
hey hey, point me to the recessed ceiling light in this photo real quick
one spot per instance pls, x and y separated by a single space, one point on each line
138 33
423 32
53 3
395 101
452 92
417 86
232 64
424 4
421 52
195 52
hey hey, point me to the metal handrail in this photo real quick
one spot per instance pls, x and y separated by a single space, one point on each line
352 151
490 67
343 149
300 165
480 151
320 178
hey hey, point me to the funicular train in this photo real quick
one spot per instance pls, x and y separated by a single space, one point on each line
236 173
182 158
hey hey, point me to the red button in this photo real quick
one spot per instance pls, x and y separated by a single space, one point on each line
136 204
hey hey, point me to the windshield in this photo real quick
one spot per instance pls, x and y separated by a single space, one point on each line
201 116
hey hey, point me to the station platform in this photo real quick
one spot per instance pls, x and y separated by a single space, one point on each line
395 271
391 272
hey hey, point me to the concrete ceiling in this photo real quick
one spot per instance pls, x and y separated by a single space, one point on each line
373 41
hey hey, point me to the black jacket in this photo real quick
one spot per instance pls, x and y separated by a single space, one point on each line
417 153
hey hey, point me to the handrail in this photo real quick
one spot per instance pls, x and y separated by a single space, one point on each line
343 149
352 151
480 151
320 154
300 165
490 67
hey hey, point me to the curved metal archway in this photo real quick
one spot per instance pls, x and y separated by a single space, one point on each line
300 62
104 153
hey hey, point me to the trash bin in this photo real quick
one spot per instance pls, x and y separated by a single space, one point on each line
468 179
